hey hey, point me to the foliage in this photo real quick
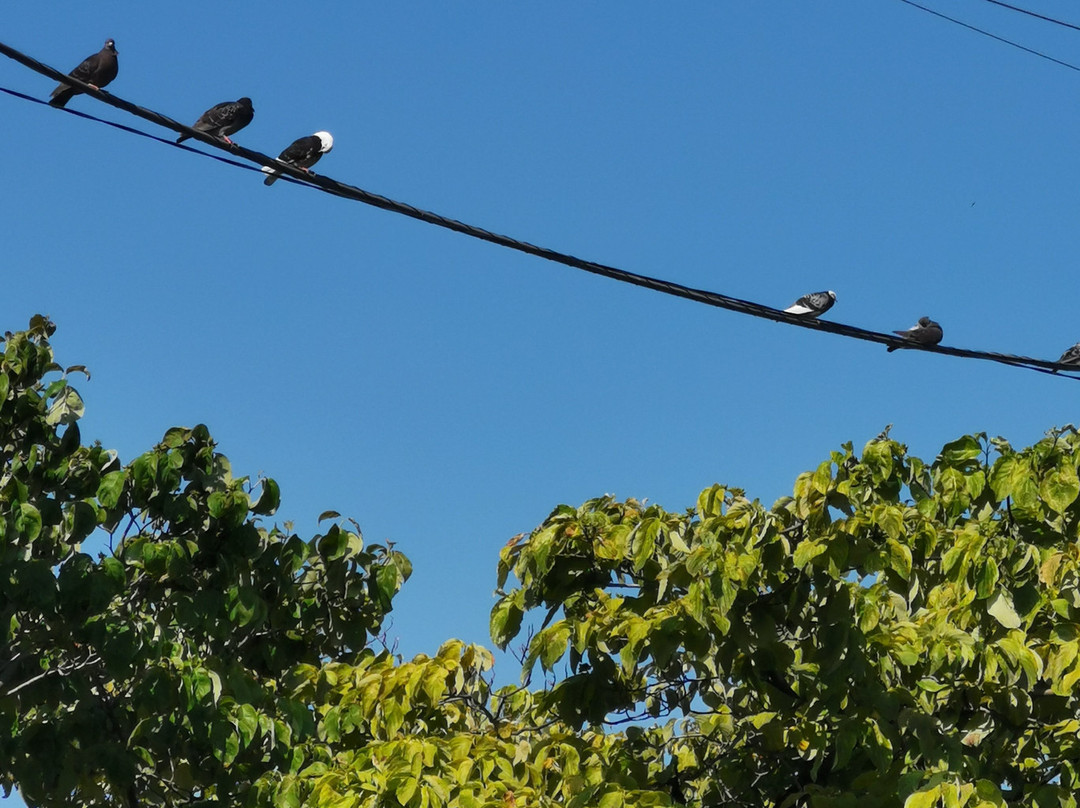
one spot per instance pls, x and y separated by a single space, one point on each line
155 672
895 633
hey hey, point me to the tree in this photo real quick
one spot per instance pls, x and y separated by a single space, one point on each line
895 633
155 674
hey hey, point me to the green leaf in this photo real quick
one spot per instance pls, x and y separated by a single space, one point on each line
270 498
987 579
1060 488
247 723
807 551
1003 475
923 799
65 408
822 478
506 619
29 521
959 451
899 558
1000 607
110 489
217 503
388 581
405 790
552 642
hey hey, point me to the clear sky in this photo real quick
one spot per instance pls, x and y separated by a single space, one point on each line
448 393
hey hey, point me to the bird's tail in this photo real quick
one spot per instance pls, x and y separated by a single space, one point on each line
182 138
272 175
61 95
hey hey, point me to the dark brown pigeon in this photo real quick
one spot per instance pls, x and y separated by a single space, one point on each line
302 153
97 71
924 332
224 119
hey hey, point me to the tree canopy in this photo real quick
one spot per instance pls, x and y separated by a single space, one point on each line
896 632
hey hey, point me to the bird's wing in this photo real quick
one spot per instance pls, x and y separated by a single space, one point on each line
301 150
86 68
220 114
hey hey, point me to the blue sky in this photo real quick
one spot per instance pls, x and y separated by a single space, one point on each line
448 393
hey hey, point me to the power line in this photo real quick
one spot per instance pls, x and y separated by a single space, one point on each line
992 36
1035 14
141 133
346 191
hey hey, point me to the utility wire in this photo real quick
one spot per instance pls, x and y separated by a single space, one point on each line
992 36
656 284
1035 14
141 133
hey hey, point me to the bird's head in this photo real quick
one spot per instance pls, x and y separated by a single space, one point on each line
924 321
832 295
244 102
110 45
326 140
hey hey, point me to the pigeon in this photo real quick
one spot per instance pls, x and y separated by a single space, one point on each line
224 119
97 71
812 305
1071 356
924 332
301 153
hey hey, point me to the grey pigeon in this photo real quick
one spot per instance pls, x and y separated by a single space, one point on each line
97 71
883 434
302 153
924 332
224 119
812 305
1071 356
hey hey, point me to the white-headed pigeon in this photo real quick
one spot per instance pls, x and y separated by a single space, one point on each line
97 71
1071 356
302 153
224 119
924 332
812 305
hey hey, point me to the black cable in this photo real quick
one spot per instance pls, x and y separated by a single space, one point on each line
141 133
1035 14
992 36
656 284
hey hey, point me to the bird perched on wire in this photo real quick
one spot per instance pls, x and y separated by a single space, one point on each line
924 332
224 119
97 71
812 305
1071 356
302 153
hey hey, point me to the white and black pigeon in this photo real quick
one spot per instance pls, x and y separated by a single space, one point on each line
1071 356
812 305
224 119
97 71
302 153
924 332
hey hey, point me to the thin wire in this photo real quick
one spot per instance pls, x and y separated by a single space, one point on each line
130 129
1035 14
992 36
656 284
